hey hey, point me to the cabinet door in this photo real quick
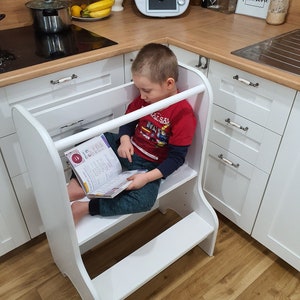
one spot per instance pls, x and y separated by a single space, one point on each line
233 186
12 155
278 222
13 232
191 59
128 59
6 123
30 211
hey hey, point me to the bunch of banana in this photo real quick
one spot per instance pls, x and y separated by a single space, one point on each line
99 9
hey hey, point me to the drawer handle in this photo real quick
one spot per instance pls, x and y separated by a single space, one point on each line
202 63
65 79
242 80
227 161
71 124
228 121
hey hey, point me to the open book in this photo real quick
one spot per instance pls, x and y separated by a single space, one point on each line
98 169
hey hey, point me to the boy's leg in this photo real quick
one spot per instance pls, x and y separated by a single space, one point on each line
127 202
75 191
79 210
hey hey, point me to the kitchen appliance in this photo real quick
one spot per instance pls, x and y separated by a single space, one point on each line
50 16
281 52
162 8
29 47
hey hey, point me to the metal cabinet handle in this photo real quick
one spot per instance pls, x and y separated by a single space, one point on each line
202 63
227 161
72 124
65 79
245 81
228 121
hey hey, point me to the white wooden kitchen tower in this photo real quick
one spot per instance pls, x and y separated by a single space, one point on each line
182 191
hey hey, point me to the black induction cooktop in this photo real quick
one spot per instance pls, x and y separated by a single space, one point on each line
24 47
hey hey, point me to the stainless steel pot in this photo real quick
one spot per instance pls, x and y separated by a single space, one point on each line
50 16
55 45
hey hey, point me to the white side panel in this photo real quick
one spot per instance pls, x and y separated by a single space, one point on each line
278 222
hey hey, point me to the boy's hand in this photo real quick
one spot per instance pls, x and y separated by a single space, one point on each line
141 179
125 149
138 181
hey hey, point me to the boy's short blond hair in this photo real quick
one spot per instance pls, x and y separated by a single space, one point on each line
156 62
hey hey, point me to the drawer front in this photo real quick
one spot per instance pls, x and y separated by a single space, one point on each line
79 112
253 143
37 93
267 104
234 190
89 77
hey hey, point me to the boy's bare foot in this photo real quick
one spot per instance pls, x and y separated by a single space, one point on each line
79 210
74 190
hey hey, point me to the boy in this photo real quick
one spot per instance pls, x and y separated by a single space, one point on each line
158 142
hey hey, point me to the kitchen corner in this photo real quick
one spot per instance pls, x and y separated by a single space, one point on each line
203 31
251 139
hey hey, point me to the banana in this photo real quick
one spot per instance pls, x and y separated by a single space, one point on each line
100 13
99 5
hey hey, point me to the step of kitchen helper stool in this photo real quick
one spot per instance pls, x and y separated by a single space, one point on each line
198 224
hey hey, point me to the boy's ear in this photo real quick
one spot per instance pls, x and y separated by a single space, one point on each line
170 82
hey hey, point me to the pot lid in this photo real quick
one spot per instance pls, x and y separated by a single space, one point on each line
47 4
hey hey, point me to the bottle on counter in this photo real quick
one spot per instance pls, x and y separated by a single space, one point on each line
277 12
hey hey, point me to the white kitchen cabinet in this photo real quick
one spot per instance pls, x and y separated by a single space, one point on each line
44 93
191 59
254 143
234 189
248 120
278 221
13 231
128 59
38 93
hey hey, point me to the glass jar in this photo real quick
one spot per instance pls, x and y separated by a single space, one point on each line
225 6
277 12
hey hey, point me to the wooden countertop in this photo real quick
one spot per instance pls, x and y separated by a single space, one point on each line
199 30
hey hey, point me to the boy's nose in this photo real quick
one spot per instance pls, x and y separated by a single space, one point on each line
143 96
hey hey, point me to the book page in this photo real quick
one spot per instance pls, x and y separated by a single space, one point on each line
114 186
94 162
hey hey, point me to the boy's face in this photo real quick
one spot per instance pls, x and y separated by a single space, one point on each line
153 92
